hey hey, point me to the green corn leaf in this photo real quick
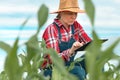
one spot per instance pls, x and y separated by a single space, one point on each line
92 54
108 53
3 76
90 10
42 16
58 64
55 58
24 23
56 74
6 47
32 47
12 67
23 58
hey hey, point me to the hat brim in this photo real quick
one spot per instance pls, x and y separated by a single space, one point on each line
77 10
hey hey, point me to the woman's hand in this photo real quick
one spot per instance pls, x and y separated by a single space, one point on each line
75 46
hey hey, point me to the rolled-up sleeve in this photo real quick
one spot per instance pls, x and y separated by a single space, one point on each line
50 36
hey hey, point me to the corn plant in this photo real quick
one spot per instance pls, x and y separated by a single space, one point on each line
32 57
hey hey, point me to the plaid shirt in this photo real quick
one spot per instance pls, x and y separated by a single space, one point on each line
51 37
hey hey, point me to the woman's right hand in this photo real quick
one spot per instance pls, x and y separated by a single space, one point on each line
75 46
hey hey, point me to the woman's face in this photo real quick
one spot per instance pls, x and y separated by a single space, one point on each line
68 17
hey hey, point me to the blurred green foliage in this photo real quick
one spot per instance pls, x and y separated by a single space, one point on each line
26 66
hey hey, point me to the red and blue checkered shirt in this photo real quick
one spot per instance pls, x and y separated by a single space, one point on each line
51 36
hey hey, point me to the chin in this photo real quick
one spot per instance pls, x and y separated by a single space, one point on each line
71 23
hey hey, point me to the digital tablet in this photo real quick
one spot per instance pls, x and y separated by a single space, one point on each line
85 45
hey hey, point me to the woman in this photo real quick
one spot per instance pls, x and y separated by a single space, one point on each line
65 35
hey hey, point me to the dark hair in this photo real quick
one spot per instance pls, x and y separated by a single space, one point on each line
58 16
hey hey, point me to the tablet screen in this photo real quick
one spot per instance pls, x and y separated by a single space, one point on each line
85 45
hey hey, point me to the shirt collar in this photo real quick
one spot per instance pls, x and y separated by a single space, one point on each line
57 21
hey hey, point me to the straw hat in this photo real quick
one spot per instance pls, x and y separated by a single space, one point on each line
69 5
